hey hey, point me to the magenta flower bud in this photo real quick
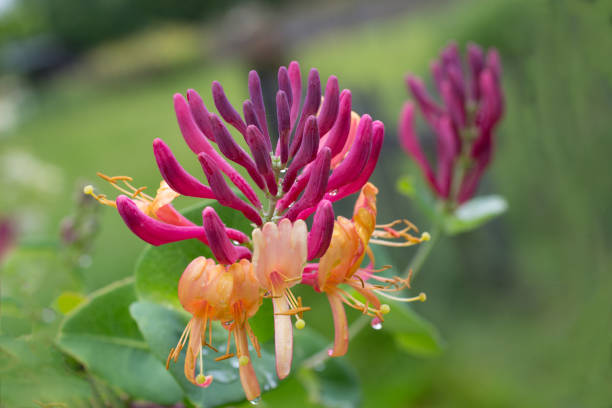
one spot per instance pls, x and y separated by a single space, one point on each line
175 175
233 151
378 136
316 187
455 76
218 241
284 126
284 84
438 74
476 63
249 114
451 65
329 109
336 138
320 234
199 144
306 154
470 182
454 104
295 77
430 109
256 96
494 64
446 152
151 230
225 108
261 154
223 193
491 103
450 57
355 160
200 113
311 107
410 143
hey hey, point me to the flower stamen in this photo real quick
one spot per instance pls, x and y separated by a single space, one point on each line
386 232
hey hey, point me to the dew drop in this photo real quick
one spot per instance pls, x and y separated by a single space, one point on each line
255 401
376 323
333 192
48 315
85 261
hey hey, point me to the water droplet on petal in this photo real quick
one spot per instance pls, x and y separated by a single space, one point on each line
333 192
255 401
376 323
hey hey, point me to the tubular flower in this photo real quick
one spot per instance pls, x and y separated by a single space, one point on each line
279 257
464 124
225 293
320 151
341 264
154 219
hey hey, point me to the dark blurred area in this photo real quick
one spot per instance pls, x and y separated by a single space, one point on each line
524 304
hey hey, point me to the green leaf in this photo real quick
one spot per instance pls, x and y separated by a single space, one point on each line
262 323
101 334
334 383
162 326
33 370
159 268
474 213
412 333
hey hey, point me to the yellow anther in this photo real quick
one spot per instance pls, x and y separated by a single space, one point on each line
200 378
300 324
425 236
88 189
384 309
243 360
422 297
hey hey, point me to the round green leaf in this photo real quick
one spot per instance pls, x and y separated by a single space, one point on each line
101 334
474 213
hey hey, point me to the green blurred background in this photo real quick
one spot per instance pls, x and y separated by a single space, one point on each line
524 304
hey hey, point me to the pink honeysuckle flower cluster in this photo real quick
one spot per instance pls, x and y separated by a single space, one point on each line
321 152
464 123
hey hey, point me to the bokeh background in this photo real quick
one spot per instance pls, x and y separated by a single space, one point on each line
524 304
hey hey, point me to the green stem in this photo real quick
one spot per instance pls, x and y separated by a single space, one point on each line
423 252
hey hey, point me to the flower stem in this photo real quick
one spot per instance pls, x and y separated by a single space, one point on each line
423 252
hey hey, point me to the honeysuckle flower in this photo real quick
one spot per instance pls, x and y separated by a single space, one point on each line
225 293
279 256
341 265
320 151
464 123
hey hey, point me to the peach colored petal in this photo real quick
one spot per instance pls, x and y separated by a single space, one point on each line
283 337
341 334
